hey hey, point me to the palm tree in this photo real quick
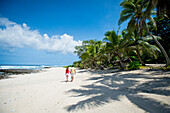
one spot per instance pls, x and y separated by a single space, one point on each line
138 11
127 36
140 45
79 50
162 7
115 44
91 56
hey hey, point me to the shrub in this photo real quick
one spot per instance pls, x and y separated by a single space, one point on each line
65 66
68 66
110 65
134 65
168 68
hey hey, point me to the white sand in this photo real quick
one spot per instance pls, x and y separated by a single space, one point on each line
91 92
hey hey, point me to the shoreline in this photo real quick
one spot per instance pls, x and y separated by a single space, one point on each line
6 73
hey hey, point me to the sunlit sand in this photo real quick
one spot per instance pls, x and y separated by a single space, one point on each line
110 91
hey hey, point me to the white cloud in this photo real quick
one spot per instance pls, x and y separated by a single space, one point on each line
13 35
24 25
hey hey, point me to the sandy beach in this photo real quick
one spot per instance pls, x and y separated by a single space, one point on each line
110 91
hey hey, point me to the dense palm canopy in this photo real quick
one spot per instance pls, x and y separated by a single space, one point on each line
142 45
133 10
139 12
90 53
133 43
115 44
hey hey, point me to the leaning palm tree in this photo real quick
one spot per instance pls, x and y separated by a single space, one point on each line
141 45
138 11
147 13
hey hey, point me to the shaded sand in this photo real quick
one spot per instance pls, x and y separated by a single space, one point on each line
110 91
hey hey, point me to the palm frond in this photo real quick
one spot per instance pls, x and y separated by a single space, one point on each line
124 18
126 12
149 38
131 24
152 21
129 5
123 2
151 6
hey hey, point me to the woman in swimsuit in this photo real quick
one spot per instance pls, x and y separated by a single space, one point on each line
67 73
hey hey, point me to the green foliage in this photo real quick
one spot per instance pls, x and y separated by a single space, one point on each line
68 66
110 65
134 57
140 16
163 30
65 66
134 65
168 68
135 43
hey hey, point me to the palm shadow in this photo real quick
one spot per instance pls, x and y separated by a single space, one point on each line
107 88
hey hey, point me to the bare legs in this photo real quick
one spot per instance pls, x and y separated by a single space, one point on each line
66 78
72 78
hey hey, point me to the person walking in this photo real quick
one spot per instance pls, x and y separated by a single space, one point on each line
67 73
72 72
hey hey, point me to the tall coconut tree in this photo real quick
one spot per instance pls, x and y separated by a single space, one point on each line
162 9
139 12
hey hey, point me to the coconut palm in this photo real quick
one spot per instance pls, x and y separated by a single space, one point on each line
141 45
162 7
129 48
79 50
135 44
138 11
115 44
91 56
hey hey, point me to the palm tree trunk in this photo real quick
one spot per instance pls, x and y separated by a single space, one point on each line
138 54
109 58
121 64
95 64
160 46
128 56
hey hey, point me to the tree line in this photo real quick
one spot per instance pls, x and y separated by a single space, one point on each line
145 40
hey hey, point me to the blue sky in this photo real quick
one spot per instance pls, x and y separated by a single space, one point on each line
66 21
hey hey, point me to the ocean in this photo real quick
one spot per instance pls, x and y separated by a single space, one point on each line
25 66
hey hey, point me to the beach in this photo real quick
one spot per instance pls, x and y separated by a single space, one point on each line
104 91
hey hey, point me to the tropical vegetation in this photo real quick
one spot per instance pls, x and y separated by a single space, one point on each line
145 40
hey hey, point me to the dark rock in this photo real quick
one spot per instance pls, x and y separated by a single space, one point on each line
4 73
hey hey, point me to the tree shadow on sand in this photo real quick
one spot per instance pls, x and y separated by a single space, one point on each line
110 87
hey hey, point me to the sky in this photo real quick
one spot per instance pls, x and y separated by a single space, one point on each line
45 32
